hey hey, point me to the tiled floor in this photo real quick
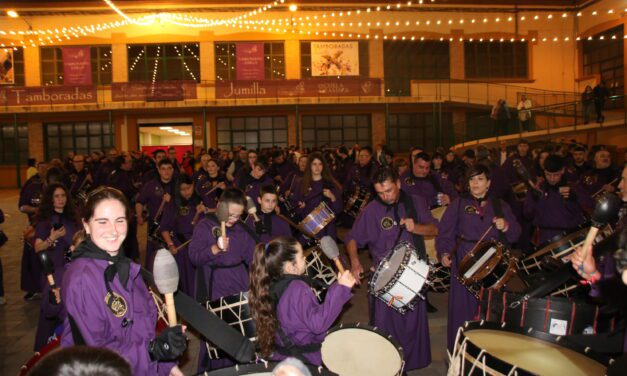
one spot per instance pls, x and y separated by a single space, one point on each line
18 319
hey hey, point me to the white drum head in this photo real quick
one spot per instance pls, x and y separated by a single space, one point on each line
387 268
360 352
534 355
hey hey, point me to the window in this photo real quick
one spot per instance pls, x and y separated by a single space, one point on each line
305 60
18 66
495 60
164 62
252 132
405 61
273 54
80 137
605 58
52 65
336 130
9 138
420 129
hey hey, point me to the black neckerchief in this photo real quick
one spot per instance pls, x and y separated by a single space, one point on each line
267 221
120 264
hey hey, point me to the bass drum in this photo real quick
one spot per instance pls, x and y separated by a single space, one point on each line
361 350
486 348
262 369
51 346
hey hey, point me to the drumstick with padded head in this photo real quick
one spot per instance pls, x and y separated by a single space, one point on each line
48 269
606 209
330 249
166 277
251 208
222 212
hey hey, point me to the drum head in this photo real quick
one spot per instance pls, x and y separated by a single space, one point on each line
360 351
260 369
389 266
501 348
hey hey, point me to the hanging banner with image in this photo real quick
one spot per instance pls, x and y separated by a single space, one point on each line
76 66
7 73
334 59
249 61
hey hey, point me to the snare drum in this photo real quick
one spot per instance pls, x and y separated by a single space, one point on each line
486 348
357 201
400 278
490 265
235 311
315 221
261 369
559 247
361 350
318 267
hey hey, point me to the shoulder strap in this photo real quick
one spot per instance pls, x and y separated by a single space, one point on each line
410 211
498 212
77 337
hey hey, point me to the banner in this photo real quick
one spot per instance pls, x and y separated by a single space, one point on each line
334 59
316 87
249 61
7 73
48 95
158 91
76 65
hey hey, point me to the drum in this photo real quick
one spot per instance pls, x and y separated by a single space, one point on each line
51 346
400 278
487 348
489 265
235 311
315 221
437 213
559 247
261 369
520 191
439 278
318 267
357 201
361 350
552 315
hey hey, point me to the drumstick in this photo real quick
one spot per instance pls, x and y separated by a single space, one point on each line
330 249
222 212
296 226
605 209
183 245
474 248
595 194
166 277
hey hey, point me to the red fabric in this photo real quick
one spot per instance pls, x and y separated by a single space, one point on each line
180 150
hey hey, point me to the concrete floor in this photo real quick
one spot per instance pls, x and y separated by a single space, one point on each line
18 318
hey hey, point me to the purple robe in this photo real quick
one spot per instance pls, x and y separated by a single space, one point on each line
594 180
83 292
30 268
426 187
411 330
458 232
50 315
274 226
252 186
224 274
359 176
205 187
304 320
77 181
313 197
290 181
177 220
552 214
151 196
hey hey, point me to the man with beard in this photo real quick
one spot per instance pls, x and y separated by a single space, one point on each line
603 176
394 216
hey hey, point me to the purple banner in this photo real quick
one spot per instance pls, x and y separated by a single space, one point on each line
249 61
76 65
25 96
158 91
368 87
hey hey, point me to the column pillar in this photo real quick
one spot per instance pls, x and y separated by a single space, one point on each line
456 56
292 59
119 57
32 66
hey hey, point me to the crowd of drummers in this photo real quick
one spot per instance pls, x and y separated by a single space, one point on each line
533 205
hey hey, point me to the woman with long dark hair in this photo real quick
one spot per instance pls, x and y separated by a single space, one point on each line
108 304
318 185
56 223
210 185
177 228
284 307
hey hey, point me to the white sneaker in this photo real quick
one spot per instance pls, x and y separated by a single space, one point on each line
3 301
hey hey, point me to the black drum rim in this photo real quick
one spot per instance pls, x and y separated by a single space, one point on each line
247 369
370 328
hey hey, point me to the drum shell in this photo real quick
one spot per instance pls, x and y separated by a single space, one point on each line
318 219
356 202
494 273
567 316
235 311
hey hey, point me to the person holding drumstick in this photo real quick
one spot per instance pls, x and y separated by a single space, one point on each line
394 216
221 260
316 186
289 319
269 224
461 229
107 301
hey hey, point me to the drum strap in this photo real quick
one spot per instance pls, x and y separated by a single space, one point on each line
498 212
77 337
410 211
